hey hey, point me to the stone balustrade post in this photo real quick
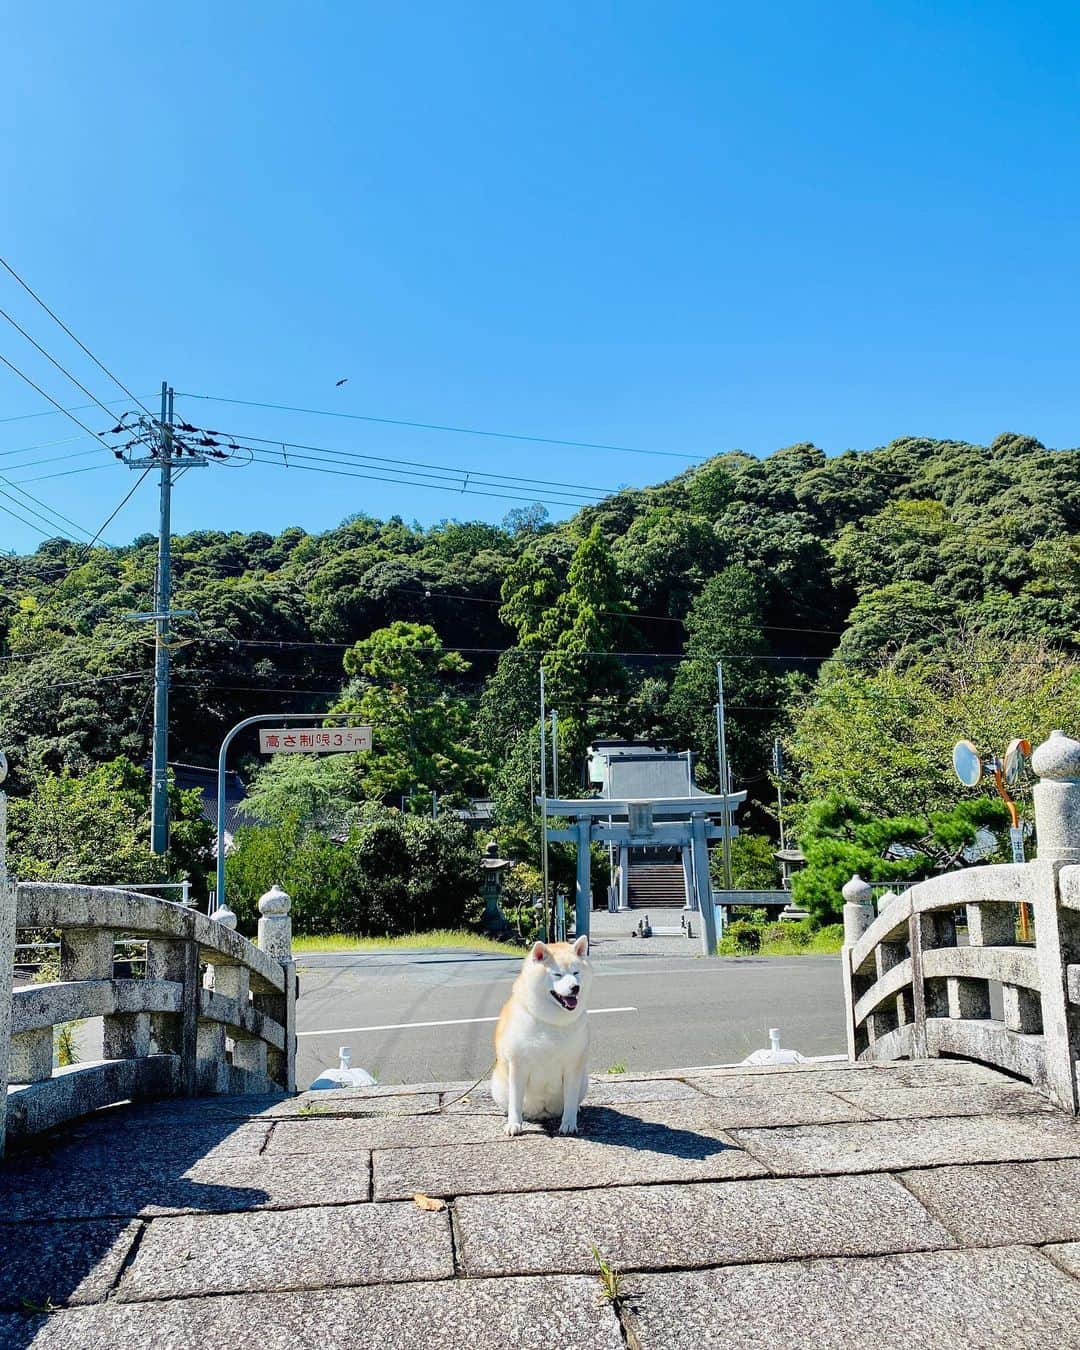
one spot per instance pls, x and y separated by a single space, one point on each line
275 938
1057 911
858 916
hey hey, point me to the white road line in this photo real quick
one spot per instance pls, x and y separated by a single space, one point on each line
450 1022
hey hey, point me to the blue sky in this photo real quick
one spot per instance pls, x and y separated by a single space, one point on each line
688 228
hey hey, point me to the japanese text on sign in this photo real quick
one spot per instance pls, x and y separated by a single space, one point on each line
335 740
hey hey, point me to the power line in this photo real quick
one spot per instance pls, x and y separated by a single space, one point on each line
64 473
49 357
45 534
41 445
448 470
320 466
58 406
56 319
435 426
52 459
58 515
77 407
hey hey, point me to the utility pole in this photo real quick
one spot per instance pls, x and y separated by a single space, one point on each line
543 799
159 815
725 779
160 445
778 774
554 753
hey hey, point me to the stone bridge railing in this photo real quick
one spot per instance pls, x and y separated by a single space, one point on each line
212 1011
913 990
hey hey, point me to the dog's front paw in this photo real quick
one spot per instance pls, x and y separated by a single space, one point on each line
513 1127
568 1127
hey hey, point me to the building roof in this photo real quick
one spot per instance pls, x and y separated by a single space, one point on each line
646 770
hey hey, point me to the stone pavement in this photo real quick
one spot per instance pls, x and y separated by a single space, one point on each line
929 1204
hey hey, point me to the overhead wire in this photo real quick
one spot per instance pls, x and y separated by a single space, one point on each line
436 426
452 471
49 357
58 406
56 319
417 481
50 412
57 515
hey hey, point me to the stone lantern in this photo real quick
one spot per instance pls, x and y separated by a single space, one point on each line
494 870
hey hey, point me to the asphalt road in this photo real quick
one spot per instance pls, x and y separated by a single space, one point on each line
421 1016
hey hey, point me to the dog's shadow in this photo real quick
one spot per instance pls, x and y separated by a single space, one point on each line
606 1125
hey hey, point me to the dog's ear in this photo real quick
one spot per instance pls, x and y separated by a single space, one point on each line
581 946
539 951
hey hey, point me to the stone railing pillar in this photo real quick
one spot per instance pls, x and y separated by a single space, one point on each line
858 916
275 925
1057 919
275 938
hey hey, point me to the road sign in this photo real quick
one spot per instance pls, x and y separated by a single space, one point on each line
314 741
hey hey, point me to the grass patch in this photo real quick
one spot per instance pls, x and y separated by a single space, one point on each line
443 937
610 1280
825 941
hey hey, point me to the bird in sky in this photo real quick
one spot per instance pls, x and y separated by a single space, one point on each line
341 382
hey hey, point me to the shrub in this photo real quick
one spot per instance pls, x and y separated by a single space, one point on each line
743 936
394 874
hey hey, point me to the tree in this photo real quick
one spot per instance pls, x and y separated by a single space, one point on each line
95 829
908 616
584 627
840 838
419 725
725 621
394 873
884 738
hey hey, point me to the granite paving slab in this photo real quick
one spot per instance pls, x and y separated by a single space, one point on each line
553 1313
289 1249
188 1139
62 1263
1005 1202
334 1103
844 1078
343 1134
146 1186
972 1099
890 1145
542 1162
708 1224
1066 1256
1009 1297
744 1109
602 1092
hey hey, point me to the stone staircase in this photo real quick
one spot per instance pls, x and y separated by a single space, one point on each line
656 886
827 1205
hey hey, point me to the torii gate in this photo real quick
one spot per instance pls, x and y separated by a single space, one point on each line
633 824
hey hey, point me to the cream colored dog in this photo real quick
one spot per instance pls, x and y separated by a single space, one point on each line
542 1038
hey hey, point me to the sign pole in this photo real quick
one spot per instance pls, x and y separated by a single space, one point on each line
229 737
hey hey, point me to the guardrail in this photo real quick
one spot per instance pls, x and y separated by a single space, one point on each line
912 990
212 1013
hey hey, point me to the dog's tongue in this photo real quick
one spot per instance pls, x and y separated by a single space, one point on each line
570 1002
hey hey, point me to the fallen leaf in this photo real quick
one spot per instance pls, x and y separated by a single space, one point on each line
426 1202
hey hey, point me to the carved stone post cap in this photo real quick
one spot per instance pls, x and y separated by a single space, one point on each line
1058 757
857 891
275 901
224 916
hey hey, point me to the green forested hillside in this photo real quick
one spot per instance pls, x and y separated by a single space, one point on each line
799 570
